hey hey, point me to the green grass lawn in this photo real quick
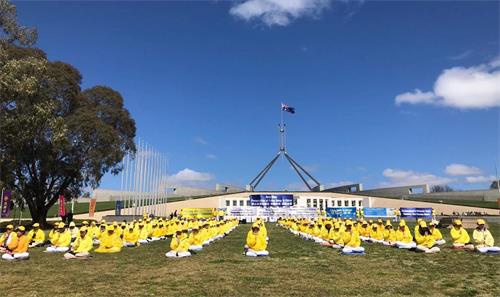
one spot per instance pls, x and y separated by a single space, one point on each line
294 268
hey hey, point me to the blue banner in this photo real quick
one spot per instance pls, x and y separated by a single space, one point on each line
416 212
378 212
341 212
118 207
271 200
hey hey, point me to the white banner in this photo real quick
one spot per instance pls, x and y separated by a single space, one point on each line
271 214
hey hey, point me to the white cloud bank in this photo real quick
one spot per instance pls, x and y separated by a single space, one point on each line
278 12
480 179
398 177
461 169
189 177
476 87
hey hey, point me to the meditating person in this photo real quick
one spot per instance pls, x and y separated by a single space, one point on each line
389 234
325 234
461 239
353 245
60 241
195 240
376 234
17 249
427 242
53 234
80 249
436 233
131 237
179 246
73 230
335 236
483 240
36 236
110 241
404 239
256 243
7 237
364 231
143 234
99 232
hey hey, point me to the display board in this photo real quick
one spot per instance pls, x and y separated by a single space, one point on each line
198 213
341 212
378 212
416 212
250 213
285 200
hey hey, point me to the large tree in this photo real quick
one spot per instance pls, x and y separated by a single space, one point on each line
55 139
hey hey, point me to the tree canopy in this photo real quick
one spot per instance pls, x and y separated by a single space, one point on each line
56 139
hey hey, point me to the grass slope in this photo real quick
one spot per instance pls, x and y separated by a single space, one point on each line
295 268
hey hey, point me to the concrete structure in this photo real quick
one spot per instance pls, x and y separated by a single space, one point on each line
479 195
396 192
353 188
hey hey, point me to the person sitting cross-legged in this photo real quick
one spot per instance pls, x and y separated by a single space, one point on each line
81 246
195 240
256 243
110 241
461 239
426 242
352 242
436 233
17 248
36 236
130 237
483 239
404 239
179 245
60 241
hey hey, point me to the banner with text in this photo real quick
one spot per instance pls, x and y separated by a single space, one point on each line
378 212
416 212
6 202
271 200
62 209
341 212
271 213
198 213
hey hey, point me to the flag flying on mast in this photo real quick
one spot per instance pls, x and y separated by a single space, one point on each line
285 107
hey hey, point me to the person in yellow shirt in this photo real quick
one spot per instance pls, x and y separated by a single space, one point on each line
110 241
389 234
81 246
17 248
404 239
99 232
353 245
143 234
364 231
61 240
130 237
335 236
426 240
461 239
256 243
195 240
483 239
36 236
436 233
7 237
376 234
179 245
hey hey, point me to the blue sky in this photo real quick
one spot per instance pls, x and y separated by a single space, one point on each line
204 81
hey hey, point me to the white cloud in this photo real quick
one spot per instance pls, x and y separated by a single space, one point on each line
398 177
211 156
278 12
461 169
479 179
476 87
416 97
189 177
462 55
200 140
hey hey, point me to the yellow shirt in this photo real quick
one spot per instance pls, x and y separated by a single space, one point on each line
460 236
83 245
483 238
256 242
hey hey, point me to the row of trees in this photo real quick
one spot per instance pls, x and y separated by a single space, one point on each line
55 138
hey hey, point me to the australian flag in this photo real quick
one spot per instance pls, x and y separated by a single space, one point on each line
285 107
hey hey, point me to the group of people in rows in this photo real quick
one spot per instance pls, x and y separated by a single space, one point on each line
76 243
347 235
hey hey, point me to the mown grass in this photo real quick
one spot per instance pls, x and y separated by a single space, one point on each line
294 268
